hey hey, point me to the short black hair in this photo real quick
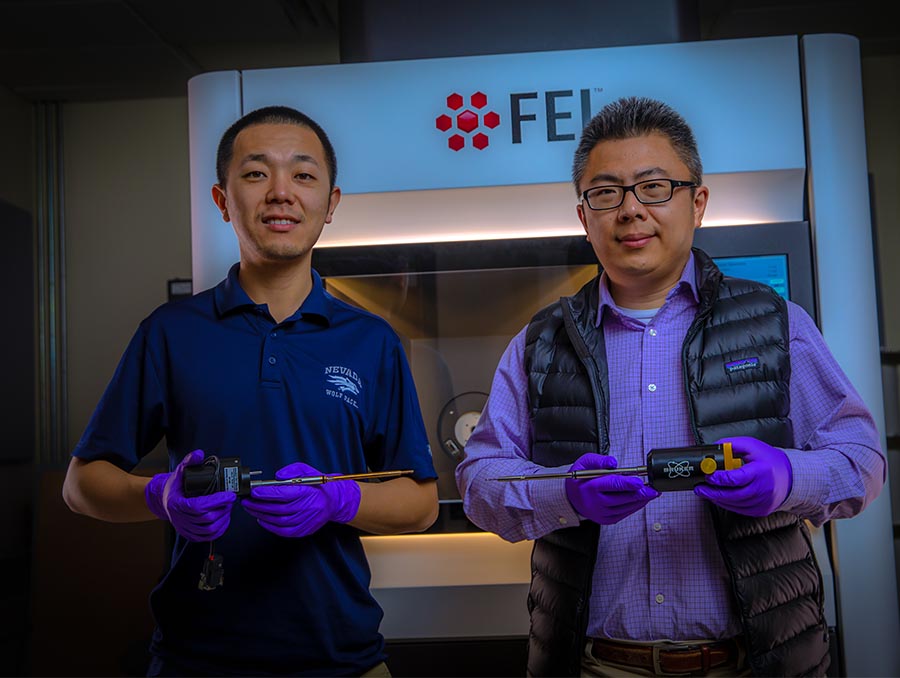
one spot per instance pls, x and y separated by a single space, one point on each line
631 117
271 115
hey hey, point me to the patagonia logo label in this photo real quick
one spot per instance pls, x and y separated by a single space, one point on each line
742 364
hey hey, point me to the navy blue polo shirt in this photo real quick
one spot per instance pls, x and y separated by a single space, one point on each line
329 386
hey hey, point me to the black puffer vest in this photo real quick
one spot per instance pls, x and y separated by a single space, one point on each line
775 579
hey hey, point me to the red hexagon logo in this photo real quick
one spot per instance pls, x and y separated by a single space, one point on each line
459 121
467 120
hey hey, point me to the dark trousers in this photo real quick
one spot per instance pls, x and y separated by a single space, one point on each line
166 668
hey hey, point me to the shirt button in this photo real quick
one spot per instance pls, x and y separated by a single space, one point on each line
652 333
660 598
274 334
563 521
272 360
657 527
651 388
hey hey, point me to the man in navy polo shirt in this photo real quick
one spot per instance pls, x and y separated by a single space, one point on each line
270 368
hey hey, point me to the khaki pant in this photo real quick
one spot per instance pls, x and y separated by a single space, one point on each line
591 666
378 671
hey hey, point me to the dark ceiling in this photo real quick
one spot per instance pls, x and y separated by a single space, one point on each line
81 50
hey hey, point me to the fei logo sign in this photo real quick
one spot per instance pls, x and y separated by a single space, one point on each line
467 121
461 121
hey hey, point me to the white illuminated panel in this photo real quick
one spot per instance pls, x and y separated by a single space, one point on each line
464 585
463 559
538 210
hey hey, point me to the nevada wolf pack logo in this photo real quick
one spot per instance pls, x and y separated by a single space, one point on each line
343 383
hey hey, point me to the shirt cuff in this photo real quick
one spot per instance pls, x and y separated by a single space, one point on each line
549 499
809 481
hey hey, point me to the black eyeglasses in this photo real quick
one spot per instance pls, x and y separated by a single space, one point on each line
650 192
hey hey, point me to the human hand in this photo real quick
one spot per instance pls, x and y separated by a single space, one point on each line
606 499
758 487
203 518
300 510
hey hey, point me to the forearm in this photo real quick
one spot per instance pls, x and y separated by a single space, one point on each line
838 468
513 510
102 490
396 506
836 482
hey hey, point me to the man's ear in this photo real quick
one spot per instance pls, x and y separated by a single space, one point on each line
583 219
333 201
219 197
701 199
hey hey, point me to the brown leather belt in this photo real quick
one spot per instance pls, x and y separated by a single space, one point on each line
669 658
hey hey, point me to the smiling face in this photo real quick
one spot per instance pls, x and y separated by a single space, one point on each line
642 248
277 194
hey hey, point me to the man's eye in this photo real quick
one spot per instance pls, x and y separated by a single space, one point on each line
304 176
254 174
651 186
604 191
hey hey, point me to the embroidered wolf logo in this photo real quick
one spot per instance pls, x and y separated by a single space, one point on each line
343 384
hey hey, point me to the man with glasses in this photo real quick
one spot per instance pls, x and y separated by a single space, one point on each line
662 351
269 368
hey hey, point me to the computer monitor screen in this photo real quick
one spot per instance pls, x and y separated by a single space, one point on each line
770 269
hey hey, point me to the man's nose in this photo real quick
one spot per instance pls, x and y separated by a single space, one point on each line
631 207
280 188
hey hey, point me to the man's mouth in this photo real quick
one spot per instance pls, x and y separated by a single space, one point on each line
635 240
279 223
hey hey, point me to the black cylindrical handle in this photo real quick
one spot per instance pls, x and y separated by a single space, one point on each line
683 468
216 475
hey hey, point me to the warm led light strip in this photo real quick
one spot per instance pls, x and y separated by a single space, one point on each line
465 236
456 559
478 235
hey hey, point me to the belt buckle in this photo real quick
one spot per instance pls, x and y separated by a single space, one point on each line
657 668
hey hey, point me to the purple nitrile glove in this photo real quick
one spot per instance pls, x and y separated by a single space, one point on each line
203 518
300 510
606 499
755 489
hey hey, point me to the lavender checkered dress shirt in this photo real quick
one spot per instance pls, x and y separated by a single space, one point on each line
659 574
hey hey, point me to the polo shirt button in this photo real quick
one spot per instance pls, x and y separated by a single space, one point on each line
651 388
274 334
657 527
272 360
660 598
563 521
652 333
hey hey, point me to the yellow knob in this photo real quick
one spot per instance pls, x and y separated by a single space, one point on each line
708 465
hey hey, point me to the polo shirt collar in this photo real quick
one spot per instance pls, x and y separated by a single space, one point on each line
230 296
688 282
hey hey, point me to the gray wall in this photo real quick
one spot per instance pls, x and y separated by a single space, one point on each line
128 231
16 500
881 100
881 95
17 168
